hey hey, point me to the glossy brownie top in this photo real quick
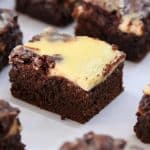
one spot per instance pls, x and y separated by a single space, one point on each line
84 61
9 122
7 19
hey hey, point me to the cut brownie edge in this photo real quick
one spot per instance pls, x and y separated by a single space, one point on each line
73 102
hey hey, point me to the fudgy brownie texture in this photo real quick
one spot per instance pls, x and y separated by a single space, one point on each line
10 127
30 82
10 34
56 12
94 21
94 141
142 127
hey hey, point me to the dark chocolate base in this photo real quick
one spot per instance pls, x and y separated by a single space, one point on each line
61 96
12 143
53 12
142 127
98 23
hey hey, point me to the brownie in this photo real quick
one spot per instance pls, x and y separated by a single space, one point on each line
56 12
142 127
10 128
124 23
75 77
92 141
10 34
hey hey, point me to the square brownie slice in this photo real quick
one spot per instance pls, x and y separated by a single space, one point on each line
10 34
125 23
56 12
10 128
142 127
75 77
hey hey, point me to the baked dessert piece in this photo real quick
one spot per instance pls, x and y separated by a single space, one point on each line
10 34
75 77
125 23
56 12
142 127
92 141
10 128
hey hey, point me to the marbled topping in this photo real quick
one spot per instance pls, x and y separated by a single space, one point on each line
93 141
131 13
125 7
131 24
147 89
83 60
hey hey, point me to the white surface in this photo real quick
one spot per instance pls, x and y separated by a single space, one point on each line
45 131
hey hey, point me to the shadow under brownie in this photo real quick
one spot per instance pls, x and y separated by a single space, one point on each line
75 77
10 34
126 25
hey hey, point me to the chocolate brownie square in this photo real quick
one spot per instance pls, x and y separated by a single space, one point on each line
56 12
75 77
10 34
142 127
10 128
125 23
92 141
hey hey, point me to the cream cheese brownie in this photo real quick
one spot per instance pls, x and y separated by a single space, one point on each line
125 23
10 128
75 77
142 127
10 34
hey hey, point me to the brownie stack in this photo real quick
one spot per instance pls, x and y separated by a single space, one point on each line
10 128
10 34
124 23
